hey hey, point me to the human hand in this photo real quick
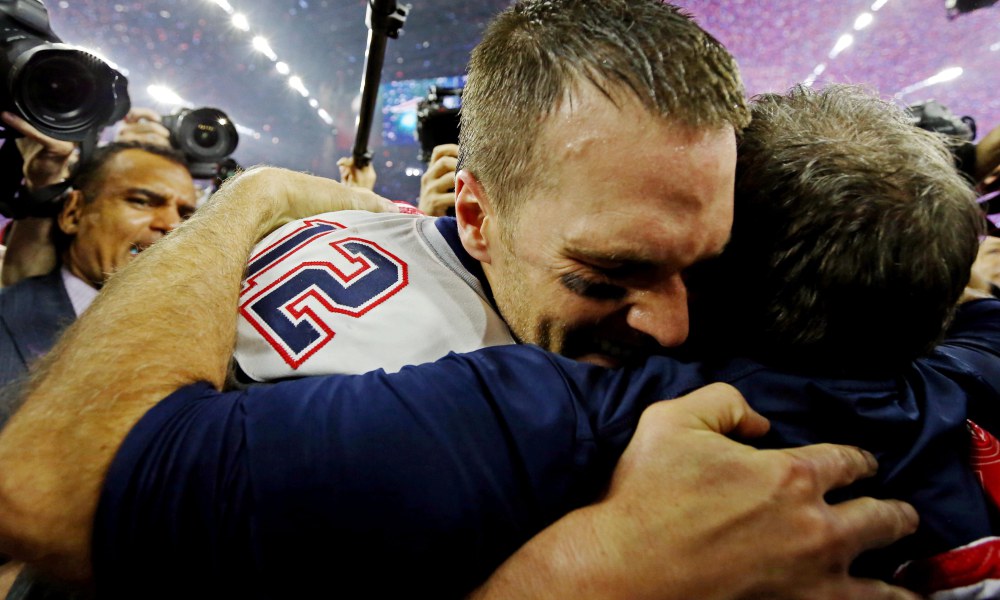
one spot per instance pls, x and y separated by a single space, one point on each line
353 176
755 519
437 184
693 514
977 288
47 160
286 196
142 125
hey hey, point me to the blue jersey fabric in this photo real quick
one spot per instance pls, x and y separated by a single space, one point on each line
423 481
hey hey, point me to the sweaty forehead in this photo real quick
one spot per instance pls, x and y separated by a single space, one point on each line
137 169
650 238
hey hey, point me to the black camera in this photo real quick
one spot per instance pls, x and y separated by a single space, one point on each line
64 92
437 119
934 116
206 136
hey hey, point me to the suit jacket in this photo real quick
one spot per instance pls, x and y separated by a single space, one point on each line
33 312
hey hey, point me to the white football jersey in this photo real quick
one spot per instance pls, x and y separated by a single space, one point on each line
353 291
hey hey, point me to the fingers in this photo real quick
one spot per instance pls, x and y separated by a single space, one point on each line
437 205
51 145
443 166
869 523
140 113
295 195
351 175
144 132
444 150
372 202
718 407
835 466
23 126
866 589
437 185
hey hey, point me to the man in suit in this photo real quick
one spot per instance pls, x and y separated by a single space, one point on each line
124 198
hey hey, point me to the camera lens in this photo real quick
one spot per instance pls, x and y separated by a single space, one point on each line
66 92
206 135
203 134
58 87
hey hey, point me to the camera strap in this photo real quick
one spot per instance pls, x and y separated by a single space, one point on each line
16 201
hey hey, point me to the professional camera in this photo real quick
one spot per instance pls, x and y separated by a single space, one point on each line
206 136
65 92
934 116
437 119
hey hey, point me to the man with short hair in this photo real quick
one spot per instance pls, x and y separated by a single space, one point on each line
596 164
832 329
781 538
124 198
561 98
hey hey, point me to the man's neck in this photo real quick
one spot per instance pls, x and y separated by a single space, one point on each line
81 292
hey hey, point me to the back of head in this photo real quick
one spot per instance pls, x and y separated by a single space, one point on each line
852 240
537 52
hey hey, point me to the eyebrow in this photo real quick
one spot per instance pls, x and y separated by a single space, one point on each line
147 192
614 259
159 197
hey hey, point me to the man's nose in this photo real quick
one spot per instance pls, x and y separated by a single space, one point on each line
661 311
166 218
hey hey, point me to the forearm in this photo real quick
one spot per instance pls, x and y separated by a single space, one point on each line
988 155
30 251
165 321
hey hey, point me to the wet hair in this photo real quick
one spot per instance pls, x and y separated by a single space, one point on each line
853 237
89 175
536 53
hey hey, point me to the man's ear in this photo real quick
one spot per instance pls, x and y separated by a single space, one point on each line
474 214
72 209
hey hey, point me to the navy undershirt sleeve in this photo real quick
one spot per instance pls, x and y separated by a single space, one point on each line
423 480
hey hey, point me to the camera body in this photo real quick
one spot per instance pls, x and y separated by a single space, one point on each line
206 136
437 119
934 116
64 92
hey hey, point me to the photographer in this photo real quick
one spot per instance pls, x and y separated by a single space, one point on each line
124 198
47 161
437 184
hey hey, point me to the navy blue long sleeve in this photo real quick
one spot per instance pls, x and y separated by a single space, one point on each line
423 481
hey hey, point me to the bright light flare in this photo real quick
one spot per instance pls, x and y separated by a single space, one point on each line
878 4
863 20
240 22
295 82
946 75
942 76
224 5
842 44
282 68
164 95
325 116
261 45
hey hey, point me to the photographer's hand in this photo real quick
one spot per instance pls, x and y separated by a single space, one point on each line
437 185
46 160
143 125
352 176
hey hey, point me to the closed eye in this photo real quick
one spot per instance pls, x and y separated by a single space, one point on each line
139 200
592 288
